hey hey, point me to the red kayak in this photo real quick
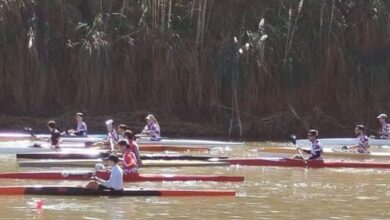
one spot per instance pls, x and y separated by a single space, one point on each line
80 191
85 175
285 162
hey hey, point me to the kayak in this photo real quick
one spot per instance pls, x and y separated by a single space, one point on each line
331 152
81 191
345 141
97 155
192 142
23 147
176 148
8 136
286 162
92 162
86 175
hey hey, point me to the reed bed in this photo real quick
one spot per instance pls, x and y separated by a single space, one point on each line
229 63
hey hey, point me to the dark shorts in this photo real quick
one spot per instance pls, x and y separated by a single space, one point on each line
102 188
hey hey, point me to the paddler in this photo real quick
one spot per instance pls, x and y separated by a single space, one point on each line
152 128
384 132
115 183
112 134
316 147
55 135
362 146
121 130
129 161
81 129
134 147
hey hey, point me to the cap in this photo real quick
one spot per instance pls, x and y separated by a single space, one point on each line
361 127
109 122
113 158
123 142
382 116
313 132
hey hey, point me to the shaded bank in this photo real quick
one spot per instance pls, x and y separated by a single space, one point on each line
277 126
217 63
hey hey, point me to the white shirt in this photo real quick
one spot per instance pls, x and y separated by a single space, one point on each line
116 178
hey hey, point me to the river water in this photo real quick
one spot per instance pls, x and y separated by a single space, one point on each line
266 193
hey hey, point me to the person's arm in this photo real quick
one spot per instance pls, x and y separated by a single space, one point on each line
81 129
315 156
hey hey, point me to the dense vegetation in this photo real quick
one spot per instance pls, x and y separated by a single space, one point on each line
267 66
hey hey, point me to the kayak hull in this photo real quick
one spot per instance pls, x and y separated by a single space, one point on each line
19 149
86 175
92 162
7 136
286 162
330 152
80 191
345 141
97 155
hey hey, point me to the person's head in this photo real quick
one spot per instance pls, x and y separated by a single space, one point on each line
129 135
79 116
110 124
123 145
150 119
112 159
51 125
359 129
312 134
382 118
122 128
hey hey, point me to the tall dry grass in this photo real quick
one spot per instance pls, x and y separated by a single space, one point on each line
179 57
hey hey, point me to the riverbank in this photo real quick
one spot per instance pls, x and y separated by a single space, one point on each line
276 126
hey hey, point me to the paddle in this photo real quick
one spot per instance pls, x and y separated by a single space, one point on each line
293 140
31 132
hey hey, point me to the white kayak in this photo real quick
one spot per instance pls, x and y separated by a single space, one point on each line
345 141
190 142
9 136
101 137
26 146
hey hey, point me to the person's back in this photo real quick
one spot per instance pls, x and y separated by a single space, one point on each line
362 146
152 128
55 135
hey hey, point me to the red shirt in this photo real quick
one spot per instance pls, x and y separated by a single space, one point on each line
129 162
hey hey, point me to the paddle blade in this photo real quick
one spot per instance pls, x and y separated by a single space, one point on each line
28 129
293 139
